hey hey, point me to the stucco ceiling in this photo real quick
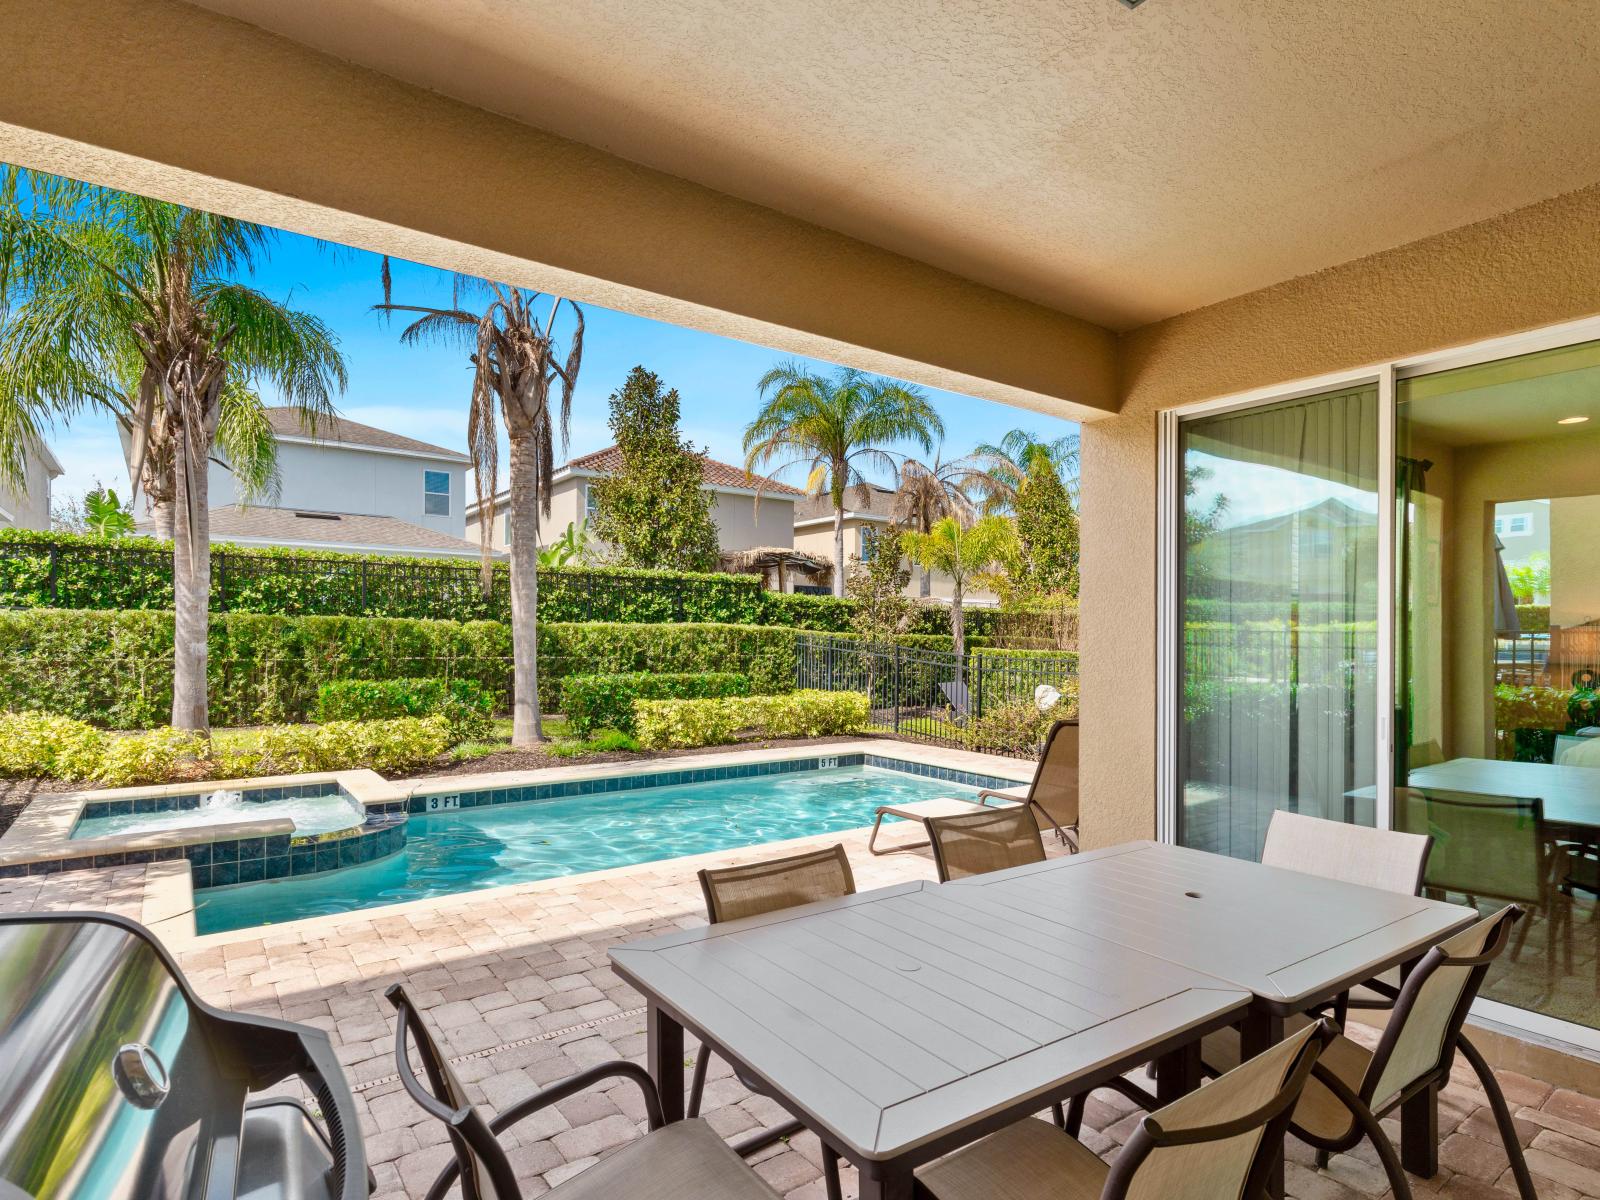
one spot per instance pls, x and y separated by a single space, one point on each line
1119 165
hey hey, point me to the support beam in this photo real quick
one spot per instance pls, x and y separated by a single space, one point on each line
176 102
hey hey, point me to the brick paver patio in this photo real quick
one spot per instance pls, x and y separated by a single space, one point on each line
515 981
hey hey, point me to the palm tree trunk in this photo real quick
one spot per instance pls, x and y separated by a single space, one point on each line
958 632
191 593
527 729
838 548
927 582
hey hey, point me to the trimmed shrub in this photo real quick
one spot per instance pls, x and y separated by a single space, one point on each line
397 744
764 654
606 701
683 724
460 702
154 756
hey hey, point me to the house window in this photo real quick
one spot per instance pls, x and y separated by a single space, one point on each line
1513 525
869 544
590 505
508 529
436 493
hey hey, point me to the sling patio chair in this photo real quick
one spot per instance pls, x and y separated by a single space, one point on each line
1053 792
1352 1087
682 1161
750 890
1218 1141
984 840
1391 860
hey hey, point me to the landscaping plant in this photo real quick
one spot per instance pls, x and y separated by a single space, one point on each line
461 702
591 702
681 724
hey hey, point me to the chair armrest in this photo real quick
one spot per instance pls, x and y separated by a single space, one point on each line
583 1081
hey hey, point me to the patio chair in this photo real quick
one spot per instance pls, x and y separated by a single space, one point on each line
1352 1087
749 891
1054 789
682 1161
1218 1141
990 839
1379 858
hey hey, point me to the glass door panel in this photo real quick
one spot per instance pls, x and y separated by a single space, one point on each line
1497 648
1279 601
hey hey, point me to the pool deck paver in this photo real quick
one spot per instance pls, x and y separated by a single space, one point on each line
516 982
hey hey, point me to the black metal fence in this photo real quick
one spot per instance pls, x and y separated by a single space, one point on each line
985 701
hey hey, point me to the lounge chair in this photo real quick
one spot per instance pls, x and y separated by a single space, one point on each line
1221 1140
1352 1087
682 1161
1053 792
748 891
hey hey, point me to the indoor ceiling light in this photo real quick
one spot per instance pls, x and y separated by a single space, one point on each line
1572 420
1132 3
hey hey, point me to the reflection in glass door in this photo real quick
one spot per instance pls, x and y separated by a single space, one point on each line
1497 652
1278 595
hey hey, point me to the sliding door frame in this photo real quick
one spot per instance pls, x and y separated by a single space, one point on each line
1169 616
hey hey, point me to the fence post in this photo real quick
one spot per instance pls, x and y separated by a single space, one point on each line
222 581
896 696
977 685
364 586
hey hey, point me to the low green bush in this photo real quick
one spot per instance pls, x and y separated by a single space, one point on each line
36 745
397 744
606 701
154 756
460 702
682 724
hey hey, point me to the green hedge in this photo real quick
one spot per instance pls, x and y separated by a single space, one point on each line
460 702
668 724
115 668
591 702
58 570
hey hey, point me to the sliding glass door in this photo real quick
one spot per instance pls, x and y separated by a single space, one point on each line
1278 601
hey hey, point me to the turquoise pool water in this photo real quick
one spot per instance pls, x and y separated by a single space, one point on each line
487 846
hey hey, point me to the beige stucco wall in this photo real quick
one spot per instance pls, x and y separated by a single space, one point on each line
26 505
818 540
1522 270
1575 545
742 524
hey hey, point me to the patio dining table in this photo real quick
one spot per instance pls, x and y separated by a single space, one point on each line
902 1023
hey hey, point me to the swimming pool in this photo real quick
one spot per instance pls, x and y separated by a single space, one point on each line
320 811
486 846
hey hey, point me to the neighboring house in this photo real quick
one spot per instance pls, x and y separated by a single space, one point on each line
864 516
349 487
1307 554
27 506
742 523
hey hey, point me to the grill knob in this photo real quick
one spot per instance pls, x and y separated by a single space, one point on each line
139 1075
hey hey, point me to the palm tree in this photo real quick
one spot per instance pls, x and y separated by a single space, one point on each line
836 427
515 364
115 301
962 552
1002 469
929 492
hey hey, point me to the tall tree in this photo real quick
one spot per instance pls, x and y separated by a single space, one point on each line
835 427
1047 535
1003 467
929 492
962 552
656 511
116 301
516 364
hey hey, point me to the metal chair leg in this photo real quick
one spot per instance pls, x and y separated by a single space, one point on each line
1074 1124
1502 1118
830 1173
697 1082
1398 1183
1059 1114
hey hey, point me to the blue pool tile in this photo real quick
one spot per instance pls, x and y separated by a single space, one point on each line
276 866
198 856
223 874
49 867
327 857
251 849
303 860
108 860
277 844
252 870
200 877
134 858
349 852
14 871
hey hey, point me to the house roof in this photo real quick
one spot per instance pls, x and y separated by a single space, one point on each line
285 423
330 530
878 502
719 476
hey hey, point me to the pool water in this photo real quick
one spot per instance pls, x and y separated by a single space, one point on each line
310 814
491 845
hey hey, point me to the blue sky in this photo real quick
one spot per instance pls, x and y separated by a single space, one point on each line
422 391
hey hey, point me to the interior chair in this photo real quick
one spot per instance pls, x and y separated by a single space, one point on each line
1498 848
1391 860
682 1161
1352 1088
988 839
751 890
1221 1140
